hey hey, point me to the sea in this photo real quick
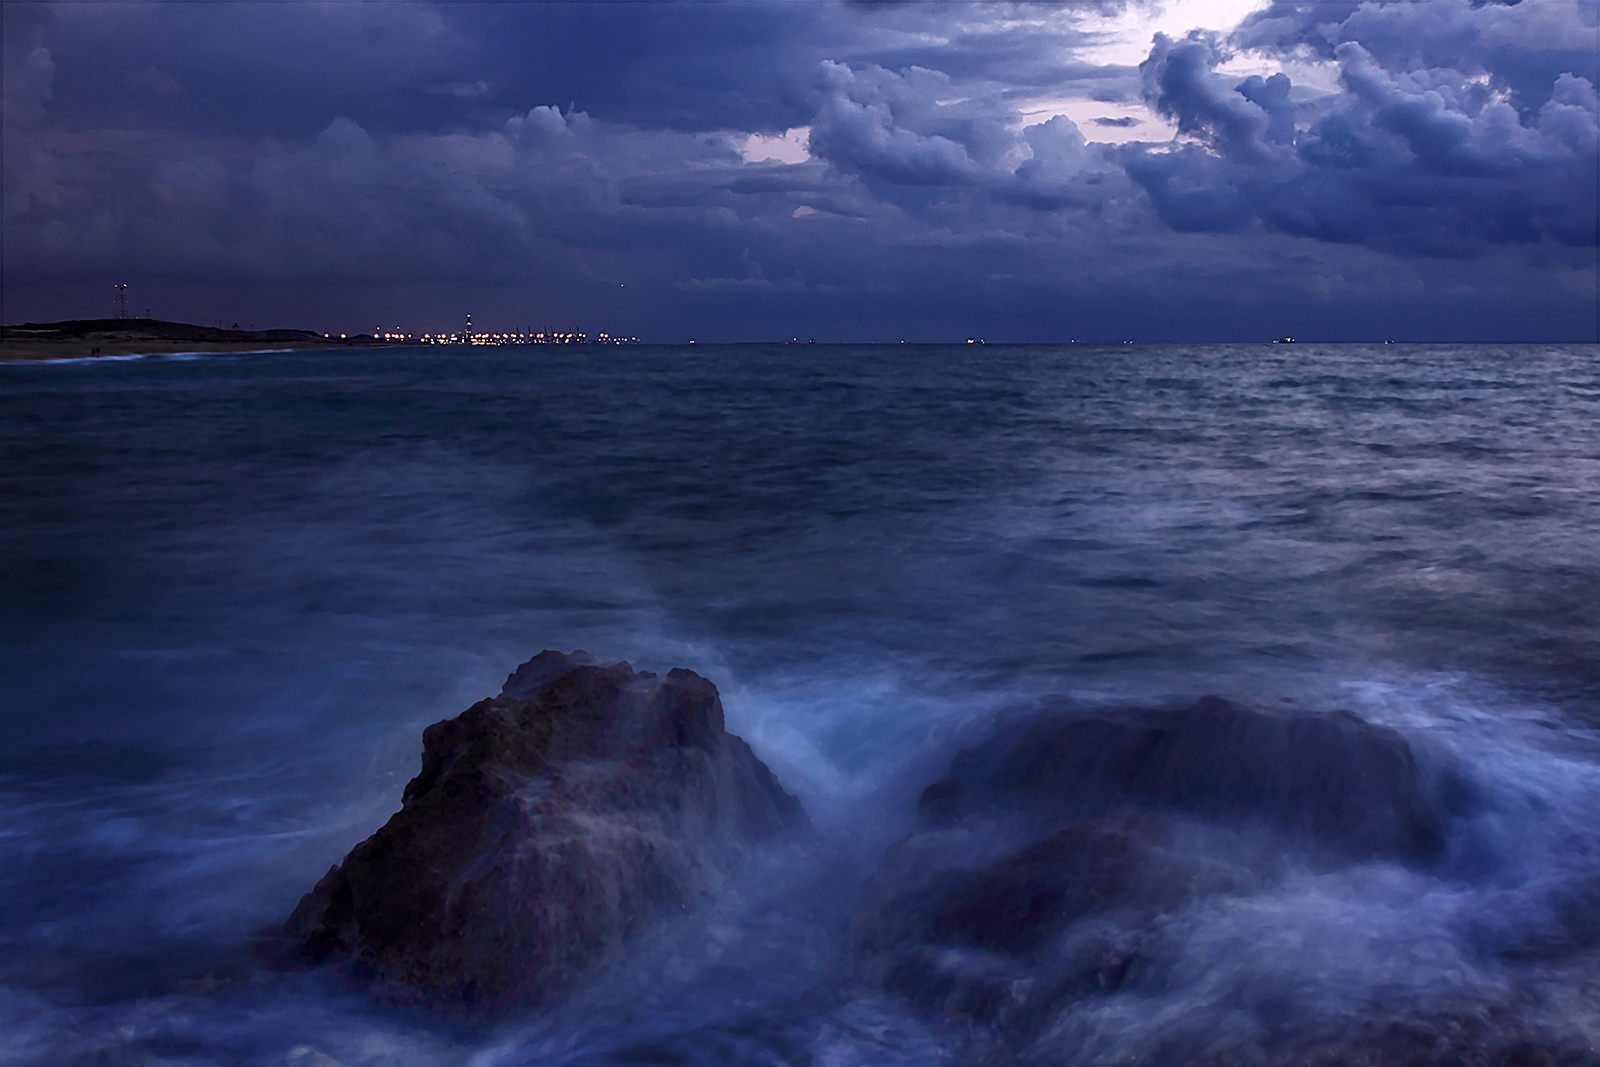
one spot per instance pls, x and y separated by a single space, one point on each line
236 588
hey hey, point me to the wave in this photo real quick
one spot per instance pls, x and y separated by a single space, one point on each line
1489 936
181 357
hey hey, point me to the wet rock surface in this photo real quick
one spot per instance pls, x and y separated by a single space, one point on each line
1087 866
1331 780
548 827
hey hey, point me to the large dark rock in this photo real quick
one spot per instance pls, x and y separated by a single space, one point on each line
549 826
1046 867
1328 780
1005 943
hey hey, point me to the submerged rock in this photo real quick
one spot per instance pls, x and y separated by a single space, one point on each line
1331 781
548 827
1046 869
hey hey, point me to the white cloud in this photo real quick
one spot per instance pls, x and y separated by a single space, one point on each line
1125 35
791 146
461 90
1145 125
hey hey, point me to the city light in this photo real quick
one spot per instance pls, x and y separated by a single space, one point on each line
554 337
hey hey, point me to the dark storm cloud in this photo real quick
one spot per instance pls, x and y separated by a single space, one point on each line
345 169
255 69
410 67
888 125
1521 47
582 163
1428 160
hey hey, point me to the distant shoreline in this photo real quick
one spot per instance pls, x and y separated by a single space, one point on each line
48 352
98 338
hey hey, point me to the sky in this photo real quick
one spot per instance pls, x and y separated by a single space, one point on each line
1181 170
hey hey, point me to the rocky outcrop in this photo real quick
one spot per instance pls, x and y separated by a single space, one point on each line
1045 868
548 827
1330 780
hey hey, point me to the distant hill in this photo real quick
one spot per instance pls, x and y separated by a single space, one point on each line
77 338
145 329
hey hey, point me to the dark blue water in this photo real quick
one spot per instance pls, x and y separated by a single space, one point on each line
235 589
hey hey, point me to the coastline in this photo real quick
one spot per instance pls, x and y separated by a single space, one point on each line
124 338
76 348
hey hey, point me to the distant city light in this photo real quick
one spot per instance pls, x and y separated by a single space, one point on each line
552 337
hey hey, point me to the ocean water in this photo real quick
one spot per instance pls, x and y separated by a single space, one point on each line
237 587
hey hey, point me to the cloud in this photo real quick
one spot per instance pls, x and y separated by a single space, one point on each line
913 138
879 166
792 146
155 82
461 90
743 285
1425 161
865 125
28 86
1521 48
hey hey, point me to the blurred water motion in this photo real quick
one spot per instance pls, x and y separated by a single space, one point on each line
235 589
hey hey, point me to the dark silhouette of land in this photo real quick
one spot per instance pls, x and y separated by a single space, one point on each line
80 338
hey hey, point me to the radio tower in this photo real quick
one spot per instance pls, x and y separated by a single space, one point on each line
120 300
469 328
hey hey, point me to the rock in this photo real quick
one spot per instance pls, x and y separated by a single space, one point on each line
548 827
985 943
1004 943
1041 871
1332 781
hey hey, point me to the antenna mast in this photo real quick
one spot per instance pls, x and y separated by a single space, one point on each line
119 301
